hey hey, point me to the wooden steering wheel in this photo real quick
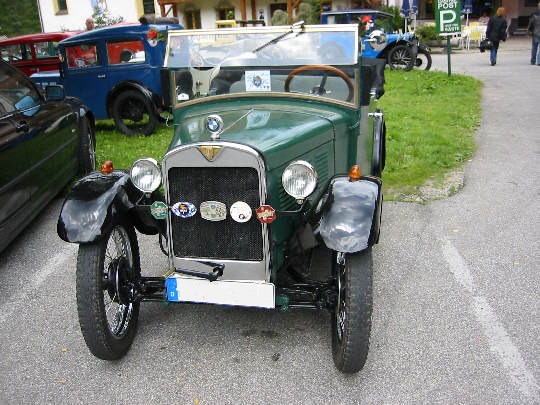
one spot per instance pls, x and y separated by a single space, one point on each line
328 68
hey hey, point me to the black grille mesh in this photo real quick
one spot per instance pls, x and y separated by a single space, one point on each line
196 237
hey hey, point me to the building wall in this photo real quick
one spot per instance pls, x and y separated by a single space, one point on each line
79 10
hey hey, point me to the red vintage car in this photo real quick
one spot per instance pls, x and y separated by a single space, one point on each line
33 53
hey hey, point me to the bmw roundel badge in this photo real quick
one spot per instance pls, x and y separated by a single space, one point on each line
214 123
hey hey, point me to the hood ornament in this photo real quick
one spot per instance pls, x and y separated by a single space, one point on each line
214 124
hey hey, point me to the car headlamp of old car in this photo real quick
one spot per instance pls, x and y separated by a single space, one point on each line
146 175
299 179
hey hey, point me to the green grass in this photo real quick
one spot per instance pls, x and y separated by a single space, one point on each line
431 119
123 150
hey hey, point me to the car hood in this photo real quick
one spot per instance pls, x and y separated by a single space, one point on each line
280 134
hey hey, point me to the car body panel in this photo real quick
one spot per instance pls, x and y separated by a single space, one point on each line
39 150
93 67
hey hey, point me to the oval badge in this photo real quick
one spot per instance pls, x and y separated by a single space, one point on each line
213 210
266 214
184 209
240 211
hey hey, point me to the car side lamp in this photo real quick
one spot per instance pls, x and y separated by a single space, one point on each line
106 167
354 173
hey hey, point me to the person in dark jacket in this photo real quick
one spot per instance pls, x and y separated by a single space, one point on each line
496 32
534 30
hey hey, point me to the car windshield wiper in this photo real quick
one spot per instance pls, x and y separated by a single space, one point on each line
299 24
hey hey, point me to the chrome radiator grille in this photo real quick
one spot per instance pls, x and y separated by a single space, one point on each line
196 237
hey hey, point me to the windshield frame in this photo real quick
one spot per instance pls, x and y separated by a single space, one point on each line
273 35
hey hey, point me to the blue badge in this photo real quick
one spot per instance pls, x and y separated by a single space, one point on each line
184 209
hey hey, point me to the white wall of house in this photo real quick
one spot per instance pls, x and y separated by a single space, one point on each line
79 10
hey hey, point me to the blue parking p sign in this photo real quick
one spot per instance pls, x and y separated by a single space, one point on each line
448 16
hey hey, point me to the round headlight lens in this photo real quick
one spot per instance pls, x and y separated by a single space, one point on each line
299 179
145 175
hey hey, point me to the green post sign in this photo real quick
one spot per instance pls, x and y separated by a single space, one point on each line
448 22
448 16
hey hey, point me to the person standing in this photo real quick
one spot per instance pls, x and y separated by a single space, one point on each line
496 32
534 29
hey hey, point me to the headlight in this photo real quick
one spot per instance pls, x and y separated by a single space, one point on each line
299 179
145 175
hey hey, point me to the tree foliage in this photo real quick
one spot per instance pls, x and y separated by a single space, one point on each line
103 18
308 11
19 17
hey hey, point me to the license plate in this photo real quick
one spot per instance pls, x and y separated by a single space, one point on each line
239 293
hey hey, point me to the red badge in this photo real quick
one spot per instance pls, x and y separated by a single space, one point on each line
266 214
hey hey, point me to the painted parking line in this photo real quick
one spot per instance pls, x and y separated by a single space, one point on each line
498 339
59 261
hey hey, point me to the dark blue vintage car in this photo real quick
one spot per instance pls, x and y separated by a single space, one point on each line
401 51
45 141
116 72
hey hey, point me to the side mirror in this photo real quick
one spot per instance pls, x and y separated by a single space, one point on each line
55 92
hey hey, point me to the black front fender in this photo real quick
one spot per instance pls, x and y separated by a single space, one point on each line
92 204
351 214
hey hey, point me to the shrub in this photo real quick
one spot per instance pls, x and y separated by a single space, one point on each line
428 32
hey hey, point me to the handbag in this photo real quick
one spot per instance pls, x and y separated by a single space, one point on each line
485 45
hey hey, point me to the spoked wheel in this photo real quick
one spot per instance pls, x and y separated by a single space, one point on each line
400 57
423 60
107 271
351 318
134 114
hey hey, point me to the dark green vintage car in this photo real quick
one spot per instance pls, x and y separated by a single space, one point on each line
269 195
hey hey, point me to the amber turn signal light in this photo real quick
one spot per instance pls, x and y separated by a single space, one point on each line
106 167
354 173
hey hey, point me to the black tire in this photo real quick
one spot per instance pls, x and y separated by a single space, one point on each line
423 60
106 272
87 147
400 57
351 318
134 113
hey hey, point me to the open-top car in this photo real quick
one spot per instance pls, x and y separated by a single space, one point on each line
269 195
380 40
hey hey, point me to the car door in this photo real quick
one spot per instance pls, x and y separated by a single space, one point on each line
85 75
14 184
128 59
50 138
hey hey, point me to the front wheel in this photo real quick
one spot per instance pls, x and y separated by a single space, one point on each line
423 60
107 271
400 57
351 318
134 113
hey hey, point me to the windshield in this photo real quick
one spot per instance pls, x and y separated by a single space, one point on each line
316 61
